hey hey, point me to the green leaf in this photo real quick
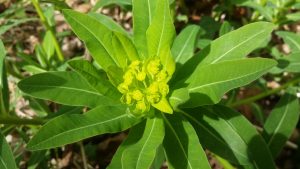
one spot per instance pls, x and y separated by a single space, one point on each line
48 45
181 144
159 158
61 4
290 63
124 49
63 87
160 36
281 122
33 69
234 45
71 128
4 91
143 12
263 10
103 3
225 28
291 39
178 97
2 59
108 22
96 78
134 136
210 83
230 135
41 56
96 36
185 43
141 154
7 160
10 23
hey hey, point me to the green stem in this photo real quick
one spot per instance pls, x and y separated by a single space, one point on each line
20 121
48 28
265 94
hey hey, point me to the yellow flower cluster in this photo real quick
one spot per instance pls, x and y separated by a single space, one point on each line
144 84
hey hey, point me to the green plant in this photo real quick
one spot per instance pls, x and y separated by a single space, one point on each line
153 83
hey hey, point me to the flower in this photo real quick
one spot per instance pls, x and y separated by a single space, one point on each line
144 84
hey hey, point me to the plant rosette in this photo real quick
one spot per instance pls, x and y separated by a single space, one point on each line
172 112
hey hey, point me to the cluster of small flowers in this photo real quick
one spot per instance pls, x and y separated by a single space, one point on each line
144 83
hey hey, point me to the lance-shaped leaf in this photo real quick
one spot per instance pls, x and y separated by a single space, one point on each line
290 63
4 91
109 23
160 36
236 44
96 78
2 56
71 128
231 136
281 122
143 12
124 49
7 160
141 154
210 83
291 39
96 36
184 44
64 87
134 136
181 144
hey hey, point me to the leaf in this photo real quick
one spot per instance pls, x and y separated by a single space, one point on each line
103 3
143 12
160 36
4 91
159 158
182 147
141 154
234 45
48 45
185 43
281 122
124 49
290 63
161 31
263 10
178 97
71 128
225 28
97 79
7 160
61 4
63 87
96 36
211 82
33 69
230 135
134 135
10 23
108 22
291 39
2 59
41 56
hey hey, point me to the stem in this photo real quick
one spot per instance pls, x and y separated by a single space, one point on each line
48 28
19 121
265 94
85 166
